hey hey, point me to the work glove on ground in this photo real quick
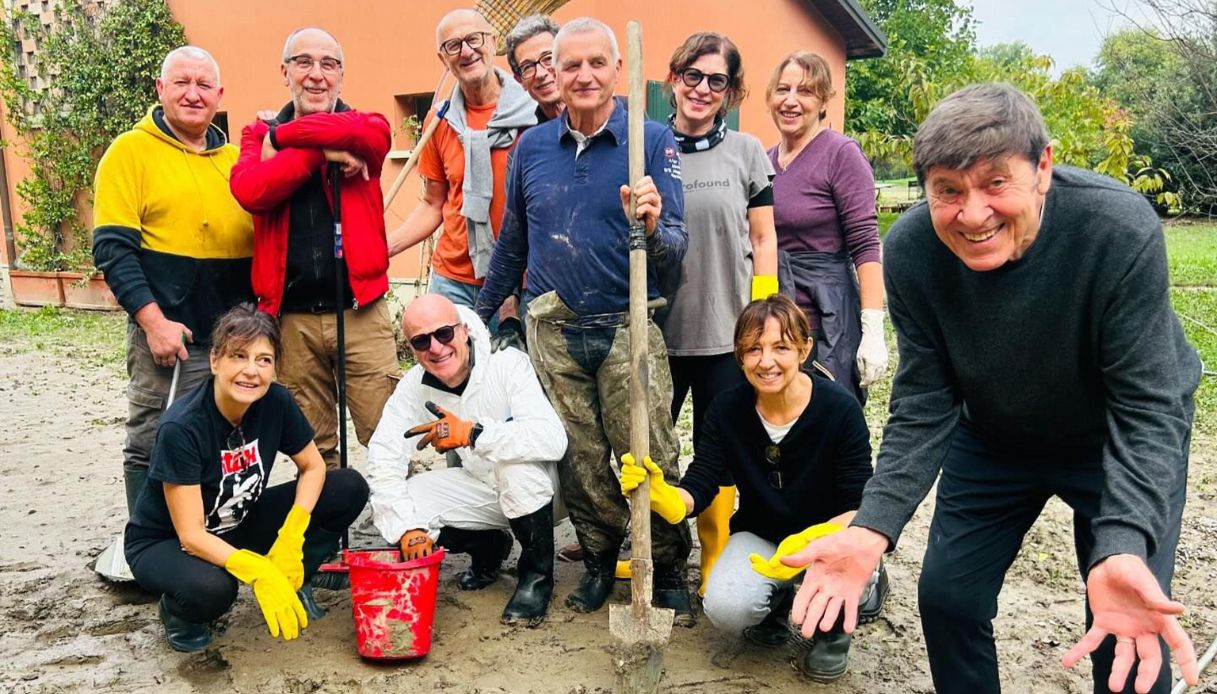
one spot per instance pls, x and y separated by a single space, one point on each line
416 544
872 352
764 286
665 500
275 595
287 554
446 433
773 566
509 334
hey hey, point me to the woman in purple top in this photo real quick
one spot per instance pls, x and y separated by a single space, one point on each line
824 211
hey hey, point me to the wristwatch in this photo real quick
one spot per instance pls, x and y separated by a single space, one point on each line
474 433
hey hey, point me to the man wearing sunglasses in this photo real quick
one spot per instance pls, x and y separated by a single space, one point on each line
464 164
530 45
281 177
489 409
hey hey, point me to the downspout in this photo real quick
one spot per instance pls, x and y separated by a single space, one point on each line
6 213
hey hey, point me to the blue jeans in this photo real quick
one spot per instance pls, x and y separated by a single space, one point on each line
463 294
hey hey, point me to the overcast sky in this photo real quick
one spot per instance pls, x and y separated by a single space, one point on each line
1070 31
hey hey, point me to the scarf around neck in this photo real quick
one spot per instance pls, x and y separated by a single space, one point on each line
699 143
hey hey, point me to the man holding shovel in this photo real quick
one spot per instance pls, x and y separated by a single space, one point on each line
281 178
564 223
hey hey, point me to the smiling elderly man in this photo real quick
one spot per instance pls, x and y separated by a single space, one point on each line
489 409
1039 357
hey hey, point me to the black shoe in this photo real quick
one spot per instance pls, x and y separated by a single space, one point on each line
320 548
535 569
824 658
597 582
311 608
670 592
774 630
183 636
486 549
872 602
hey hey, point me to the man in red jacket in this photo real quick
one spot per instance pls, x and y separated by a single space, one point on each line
280 178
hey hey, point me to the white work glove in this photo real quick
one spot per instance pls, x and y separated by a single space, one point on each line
872 352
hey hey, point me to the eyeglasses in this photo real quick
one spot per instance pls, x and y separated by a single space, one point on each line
305 63
528 68
773 456
236 440
421 343
475 41
692 77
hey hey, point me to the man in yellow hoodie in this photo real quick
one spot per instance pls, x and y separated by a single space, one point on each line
174 245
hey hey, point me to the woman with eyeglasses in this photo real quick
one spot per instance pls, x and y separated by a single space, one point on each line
824 210
797 447
732 253
206 518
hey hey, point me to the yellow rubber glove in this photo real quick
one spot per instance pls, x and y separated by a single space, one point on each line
287 554
773 566
280 607
665 500
764 286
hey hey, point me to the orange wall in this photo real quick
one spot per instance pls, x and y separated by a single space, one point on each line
390 50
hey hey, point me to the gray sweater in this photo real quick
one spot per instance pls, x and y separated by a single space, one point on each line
1075 344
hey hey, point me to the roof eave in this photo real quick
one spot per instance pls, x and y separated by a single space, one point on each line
863 38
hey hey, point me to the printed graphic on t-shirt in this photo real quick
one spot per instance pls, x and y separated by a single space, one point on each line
242 482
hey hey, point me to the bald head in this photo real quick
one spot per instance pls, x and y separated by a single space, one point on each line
471 20
426 310
310 35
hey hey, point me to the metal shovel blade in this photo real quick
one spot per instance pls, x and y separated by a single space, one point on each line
112 562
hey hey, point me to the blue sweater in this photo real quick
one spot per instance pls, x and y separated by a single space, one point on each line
563 220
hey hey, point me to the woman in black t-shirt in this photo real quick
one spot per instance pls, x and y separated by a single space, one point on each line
798 449
207 519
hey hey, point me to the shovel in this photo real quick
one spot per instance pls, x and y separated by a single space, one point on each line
112 562
640 632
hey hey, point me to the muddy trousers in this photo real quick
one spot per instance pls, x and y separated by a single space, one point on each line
585 373
198 591
988 498
310 362
148 391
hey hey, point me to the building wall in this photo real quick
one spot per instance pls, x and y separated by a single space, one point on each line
390 50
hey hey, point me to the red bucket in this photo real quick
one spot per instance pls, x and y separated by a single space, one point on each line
393 602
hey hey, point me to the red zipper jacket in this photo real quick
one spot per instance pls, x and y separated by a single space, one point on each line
265 188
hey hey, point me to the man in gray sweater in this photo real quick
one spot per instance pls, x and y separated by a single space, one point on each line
1039 356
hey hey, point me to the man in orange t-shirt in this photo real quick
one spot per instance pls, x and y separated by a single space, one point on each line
464 164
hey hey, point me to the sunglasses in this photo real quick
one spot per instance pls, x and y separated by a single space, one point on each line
692 77
773 456
236 440
421 343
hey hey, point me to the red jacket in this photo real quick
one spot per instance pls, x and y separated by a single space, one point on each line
265 188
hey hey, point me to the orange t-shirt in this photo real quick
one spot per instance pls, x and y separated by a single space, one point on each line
443 159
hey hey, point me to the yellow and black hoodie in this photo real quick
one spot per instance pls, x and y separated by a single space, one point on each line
167 229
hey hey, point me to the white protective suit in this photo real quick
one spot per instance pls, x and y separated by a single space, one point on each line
510 472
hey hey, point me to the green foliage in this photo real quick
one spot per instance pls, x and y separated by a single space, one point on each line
104 65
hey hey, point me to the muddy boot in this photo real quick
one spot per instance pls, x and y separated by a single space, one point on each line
311 608
134 479
774 629
670 592
597 582
486 549
824 658
535 568
183 636
875 595
321 547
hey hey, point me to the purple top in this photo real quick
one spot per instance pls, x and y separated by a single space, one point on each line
826 199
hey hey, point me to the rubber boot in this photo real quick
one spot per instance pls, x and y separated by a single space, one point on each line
774 629
670 592
597 582
872 601
183 636
311 608
486 549
825 657
535 569
134 479
319 547
713 529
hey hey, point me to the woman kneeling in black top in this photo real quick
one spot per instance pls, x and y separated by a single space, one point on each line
206 518
798 448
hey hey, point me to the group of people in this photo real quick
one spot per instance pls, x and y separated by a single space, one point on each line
1038 352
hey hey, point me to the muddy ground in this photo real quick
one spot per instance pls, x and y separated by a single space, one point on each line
64 628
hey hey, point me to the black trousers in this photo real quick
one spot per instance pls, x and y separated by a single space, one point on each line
706 377
199 591
988 498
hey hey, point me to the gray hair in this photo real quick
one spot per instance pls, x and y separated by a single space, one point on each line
586 24
287 45
980 121
526 28
191 52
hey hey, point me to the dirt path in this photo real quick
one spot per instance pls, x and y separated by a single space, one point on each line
63 628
